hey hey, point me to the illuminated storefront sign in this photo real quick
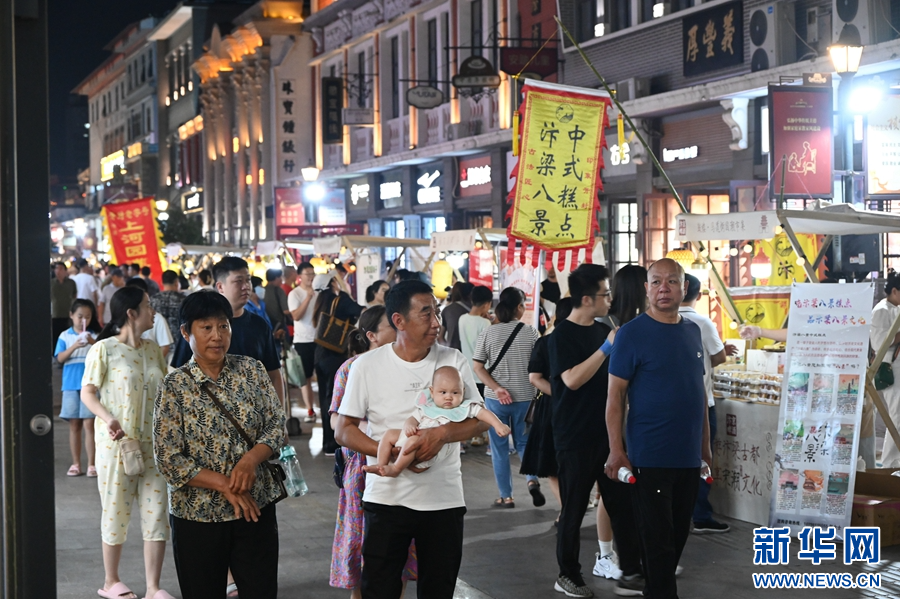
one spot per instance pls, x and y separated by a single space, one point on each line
429 191
109 163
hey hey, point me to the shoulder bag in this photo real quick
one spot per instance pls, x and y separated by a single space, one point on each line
884 376
275 470
505 348
130 449
333 333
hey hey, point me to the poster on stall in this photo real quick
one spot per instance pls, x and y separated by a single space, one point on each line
883 146
368 270
821 406
481 268
800 127
527 278
133 232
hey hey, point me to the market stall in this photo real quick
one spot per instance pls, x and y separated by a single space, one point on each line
824 378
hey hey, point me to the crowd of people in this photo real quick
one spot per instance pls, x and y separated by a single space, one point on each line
608 401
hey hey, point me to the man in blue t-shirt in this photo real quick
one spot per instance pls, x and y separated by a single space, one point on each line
657 363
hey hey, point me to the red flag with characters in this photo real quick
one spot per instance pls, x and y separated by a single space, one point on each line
554 204
133 233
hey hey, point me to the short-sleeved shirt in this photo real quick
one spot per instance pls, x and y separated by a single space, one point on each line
579 415
276 303
666 399
87 286
711 346
450 319
512 371
62 294
540 359
470 327
160 332
304 331
168 305
119 372
383 388
105 299
250 336
73 368
883 315
191 433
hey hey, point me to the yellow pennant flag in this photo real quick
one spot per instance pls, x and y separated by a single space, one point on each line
554 202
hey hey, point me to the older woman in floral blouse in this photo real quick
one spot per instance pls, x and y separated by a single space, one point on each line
221 497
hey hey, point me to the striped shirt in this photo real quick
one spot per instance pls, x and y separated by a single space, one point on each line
512 371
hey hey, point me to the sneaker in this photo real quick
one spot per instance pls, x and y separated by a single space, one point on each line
607 566
630 586
488 452
679 570
310 417
565 585
710 527
462 449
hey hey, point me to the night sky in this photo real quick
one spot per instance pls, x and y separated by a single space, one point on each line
78 31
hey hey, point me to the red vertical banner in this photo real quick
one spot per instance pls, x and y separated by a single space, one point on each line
289 211
481 268
133 234
801 133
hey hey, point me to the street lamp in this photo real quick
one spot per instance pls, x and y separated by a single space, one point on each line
310 173
846 54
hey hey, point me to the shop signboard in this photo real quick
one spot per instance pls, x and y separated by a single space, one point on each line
109 163
359 117
476 71
289 210
541 62
429 184
390 190
883 147
800 119
287 130
475 176
192 201
331 209
359 193
713 39
817 439
424 96
730 226
368 270
332 104
618 163
453 241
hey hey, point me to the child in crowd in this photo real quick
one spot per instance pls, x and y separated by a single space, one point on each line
71 349
441 404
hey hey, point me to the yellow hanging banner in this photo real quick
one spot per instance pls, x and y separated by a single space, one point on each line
554 202
785 269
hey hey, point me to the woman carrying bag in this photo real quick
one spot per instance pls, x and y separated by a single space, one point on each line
217 421
334 314
121 375
501 363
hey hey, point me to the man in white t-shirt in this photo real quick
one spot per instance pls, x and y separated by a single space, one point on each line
116 282
86 282
301 301
428 505
713 354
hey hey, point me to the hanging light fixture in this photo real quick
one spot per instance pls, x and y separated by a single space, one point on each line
310 173
761 266
682 256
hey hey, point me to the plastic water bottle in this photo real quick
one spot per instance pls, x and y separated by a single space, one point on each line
626 476
293 481
705 472
860 464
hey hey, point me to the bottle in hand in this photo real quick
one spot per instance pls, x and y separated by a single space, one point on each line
705 472
626 476
293 481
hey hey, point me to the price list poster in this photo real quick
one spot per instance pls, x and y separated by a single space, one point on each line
821 405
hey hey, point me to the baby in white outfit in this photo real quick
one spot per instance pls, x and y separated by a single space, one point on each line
441 404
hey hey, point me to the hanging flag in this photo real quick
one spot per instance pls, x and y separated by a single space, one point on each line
133 233
554 204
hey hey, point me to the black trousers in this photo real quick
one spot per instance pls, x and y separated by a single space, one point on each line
326 368
578 470
663 503
204 551
389 529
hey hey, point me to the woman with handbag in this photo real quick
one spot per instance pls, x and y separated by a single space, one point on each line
334 315
217 422
121 374
501 363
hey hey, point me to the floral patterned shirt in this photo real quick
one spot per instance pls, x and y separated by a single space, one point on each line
190 433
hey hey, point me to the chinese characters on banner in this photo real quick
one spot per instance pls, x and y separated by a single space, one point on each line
734 225
287 131
554 202
368 270
821 406
481 268
883 147
332 105
134 235
713 39
527 278
801 119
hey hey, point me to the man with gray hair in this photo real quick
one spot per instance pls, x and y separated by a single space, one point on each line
657 366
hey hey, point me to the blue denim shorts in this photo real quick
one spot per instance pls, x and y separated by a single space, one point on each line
72 406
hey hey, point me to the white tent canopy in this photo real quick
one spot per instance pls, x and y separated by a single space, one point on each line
837 219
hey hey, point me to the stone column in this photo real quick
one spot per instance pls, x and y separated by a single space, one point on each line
226 108
208 147
264 81
220 162
240 131
253 89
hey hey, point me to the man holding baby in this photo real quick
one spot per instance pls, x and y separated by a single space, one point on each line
425 505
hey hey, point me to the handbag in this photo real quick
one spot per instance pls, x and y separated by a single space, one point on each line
275 469
884 376
337 473
293 368
130 449
333 333
529 414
